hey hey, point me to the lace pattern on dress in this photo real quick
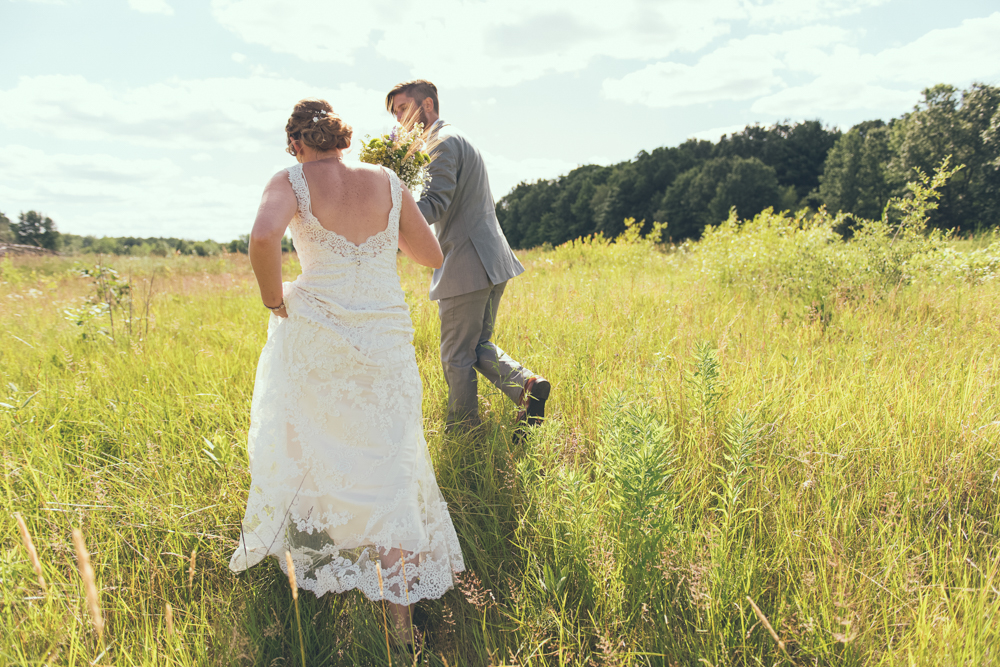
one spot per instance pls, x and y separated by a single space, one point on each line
310 228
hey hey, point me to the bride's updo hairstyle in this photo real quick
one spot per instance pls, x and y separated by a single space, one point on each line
314 123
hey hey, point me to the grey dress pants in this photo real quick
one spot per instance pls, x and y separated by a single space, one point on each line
466 328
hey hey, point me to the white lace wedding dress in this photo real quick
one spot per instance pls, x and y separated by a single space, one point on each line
340 472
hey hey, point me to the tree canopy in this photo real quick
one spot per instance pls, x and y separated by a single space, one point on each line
6 233
687 186
962 125
38 230
785 166
856 176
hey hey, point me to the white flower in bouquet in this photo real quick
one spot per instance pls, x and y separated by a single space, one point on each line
403 151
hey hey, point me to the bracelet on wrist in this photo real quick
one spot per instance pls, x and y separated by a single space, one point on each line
274 308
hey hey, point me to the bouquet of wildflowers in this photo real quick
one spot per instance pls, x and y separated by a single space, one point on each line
402 151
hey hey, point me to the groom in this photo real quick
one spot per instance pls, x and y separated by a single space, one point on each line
477 265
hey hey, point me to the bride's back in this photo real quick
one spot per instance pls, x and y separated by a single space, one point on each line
351 200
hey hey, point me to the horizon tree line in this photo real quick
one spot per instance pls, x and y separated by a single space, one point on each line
784 166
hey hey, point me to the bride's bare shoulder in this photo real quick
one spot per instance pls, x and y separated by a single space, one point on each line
280 181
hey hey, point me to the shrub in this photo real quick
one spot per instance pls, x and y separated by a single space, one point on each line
803 256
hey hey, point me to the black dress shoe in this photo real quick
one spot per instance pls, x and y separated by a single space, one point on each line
533 396
537 391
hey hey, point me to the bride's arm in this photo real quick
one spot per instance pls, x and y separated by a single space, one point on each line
416 238
277 206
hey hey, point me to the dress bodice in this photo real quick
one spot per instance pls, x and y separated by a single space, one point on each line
352 288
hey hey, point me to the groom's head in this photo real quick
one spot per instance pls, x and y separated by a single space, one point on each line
413 102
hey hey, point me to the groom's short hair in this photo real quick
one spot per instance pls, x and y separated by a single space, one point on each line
418 89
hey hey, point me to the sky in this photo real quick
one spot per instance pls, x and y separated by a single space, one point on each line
166 117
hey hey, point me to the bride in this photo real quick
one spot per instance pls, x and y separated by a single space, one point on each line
340 474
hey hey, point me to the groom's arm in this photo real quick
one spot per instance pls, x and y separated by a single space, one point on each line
443 171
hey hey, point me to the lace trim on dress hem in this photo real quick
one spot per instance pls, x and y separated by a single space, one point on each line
427 581
426 577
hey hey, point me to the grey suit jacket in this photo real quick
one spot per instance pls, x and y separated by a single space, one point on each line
459 204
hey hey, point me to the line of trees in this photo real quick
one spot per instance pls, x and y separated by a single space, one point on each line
785 166
38 230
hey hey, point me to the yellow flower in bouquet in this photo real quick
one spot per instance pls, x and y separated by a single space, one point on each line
403 151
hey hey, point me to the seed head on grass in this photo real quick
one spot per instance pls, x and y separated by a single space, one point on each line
191 570
767 625
295 599
385 622
474 591
291 575
169 613
87 574
29 546
406 584
378 571
406 592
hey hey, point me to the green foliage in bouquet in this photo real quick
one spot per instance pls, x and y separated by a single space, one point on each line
402 151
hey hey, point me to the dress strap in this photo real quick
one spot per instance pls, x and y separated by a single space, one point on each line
396 190
301 188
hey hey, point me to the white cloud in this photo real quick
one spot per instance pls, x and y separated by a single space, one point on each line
151 6
479 104
846 79
227 131
838 76
479 44
504 42
232 114
239 57
676 85
966 52
103 194
108 195
327 35
804 11
506 172
834 94
742 69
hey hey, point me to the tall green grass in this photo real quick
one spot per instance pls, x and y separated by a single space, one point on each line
729 420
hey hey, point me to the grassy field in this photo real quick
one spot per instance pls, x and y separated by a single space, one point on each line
768 418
